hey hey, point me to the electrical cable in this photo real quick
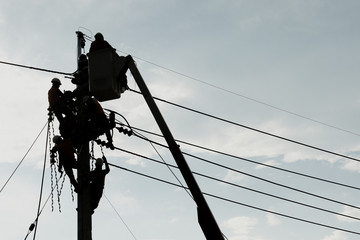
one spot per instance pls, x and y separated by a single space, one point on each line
7 181
246 97
261 179
254 129
42 181
137 134
35 68
32 226
242 204
252 161
118 214
246 188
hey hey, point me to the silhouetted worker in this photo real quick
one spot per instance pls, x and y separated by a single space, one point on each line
81 77
56 99
99 43
120 73
97 181
99 120
67 160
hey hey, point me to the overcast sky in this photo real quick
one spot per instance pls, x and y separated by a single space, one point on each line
289 68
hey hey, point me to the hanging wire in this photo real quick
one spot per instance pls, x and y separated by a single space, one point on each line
167 165
42 182
7 181
118 214
32 226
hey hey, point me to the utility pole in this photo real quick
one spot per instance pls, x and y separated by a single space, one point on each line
84 208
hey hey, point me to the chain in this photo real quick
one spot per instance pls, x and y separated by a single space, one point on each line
61 187
72 192
92 156
57 190
52 186
52 156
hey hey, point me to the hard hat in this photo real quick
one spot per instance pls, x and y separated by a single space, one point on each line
99 36
56 139
99 162
56 80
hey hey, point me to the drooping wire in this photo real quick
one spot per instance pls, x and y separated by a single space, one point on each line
242 204
118 214
140 135
32 226
42 182
7 181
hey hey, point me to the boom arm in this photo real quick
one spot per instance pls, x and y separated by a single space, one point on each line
205 217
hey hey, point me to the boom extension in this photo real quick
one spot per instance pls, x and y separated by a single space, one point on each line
205 217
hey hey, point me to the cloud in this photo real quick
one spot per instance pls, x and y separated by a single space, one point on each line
241 228
351 212
272 220
352 166
270 163
232 176
136 162
336 235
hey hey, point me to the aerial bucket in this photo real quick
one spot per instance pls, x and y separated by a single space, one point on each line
104 68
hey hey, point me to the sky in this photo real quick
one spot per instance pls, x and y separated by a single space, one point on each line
288 68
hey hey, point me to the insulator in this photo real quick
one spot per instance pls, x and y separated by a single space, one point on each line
32 226
120 129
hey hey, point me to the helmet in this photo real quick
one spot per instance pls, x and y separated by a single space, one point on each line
56 80
56 139
99 162
99 36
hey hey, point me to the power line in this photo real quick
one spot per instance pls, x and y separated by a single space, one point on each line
260 178
42 181
118 214
253 129
239 203
246 188
35 68
32 226
246 97
137 134
254 162
23 157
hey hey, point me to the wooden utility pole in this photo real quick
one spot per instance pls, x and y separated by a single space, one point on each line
84 208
